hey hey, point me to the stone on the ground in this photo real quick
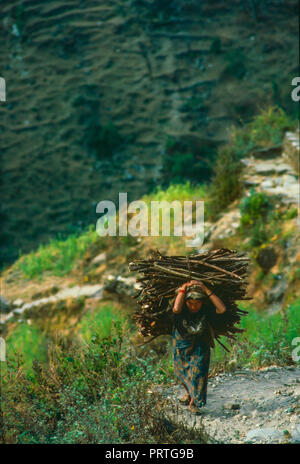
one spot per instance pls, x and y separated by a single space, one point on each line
121 285
276 293
266 184
295 435
265 168
88 291
227 225
291 149
232 406
18 302
99 258
282 168
264 435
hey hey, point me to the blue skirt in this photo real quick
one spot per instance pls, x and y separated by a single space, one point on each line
191 368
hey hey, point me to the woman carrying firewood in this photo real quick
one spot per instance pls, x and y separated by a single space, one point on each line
192 338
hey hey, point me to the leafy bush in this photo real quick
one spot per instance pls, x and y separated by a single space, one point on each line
291 214
266 341
254 207
226 184
254 211
93 394
267 129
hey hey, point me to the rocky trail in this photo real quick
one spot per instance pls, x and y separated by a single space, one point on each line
247 406
274 171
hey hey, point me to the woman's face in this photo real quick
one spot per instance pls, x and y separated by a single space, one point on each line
194 305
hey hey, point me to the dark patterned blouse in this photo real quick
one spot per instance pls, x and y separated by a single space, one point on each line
191 328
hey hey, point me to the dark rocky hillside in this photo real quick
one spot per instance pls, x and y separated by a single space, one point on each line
102 94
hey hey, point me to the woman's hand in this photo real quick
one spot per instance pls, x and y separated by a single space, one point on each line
196 283
219 305
201 285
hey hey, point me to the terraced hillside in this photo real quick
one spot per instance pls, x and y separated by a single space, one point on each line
95 88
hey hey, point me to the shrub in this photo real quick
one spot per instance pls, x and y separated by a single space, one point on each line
267 129
226 184
254 209
179 167
254 206
187 158
93 394
266 341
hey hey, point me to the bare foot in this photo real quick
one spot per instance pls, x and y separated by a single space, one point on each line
193 408
185 399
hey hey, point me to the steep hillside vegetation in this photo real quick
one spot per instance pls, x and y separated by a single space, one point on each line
118 95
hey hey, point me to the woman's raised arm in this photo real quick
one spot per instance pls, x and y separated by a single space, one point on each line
220 307
177 308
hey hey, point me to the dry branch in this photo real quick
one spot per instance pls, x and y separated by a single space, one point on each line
223 271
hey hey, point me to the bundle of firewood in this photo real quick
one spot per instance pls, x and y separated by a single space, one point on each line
223 271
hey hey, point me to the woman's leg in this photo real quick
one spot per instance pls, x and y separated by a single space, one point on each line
186 389
199 374
186 398
180 371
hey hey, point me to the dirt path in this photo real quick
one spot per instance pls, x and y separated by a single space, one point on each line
246 406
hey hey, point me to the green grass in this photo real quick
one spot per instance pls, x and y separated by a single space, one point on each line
259 219
28 342
175 192
267 129
99 323
181 192
58 257
266 341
